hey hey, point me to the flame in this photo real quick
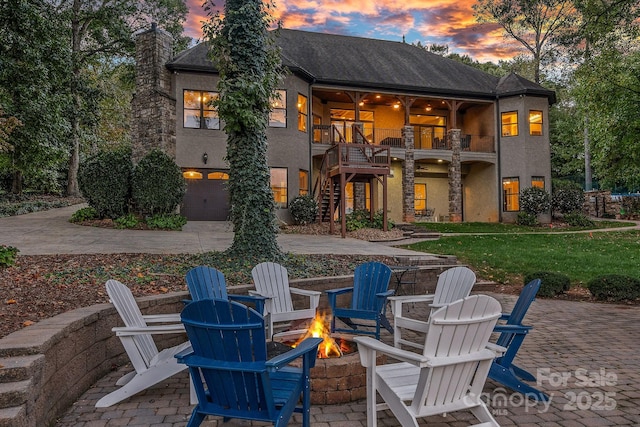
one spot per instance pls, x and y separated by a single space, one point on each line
318 329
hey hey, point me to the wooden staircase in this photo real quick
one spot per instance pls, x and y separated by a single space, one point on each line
346 162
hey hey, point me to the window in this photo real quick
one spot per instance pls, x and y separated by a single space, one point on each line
510 194
192 175
429 131
279 186
303 185
535 122
218 175
537 181
199 113
278 114
510 123
420 198
302 113
344 120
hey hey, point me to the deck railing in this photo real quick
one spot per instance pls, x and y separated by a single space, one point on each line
329 134
358 155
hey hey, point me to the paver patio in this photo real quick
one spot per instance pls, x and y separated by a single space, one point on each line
585 354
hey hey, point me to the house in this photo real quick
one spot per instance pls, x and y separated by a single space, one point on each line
404 130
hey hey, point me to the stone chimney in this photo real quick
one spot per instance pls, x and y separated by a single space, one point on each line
153 123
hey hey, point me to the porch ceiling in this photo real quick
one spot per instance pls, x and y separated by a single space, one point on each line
385 99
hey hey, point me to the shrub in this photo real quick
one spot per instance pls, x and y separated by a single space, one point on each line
567 200
8 255
357 219
167 221
526 219
378 221
104 180
552 283
304 209
360 219
157 186
578 219
84 214
534 200
614 287
126 221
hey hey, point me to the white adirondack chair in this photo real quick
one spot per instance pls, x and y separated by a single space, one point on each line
150 365
448 376
453 284
272 282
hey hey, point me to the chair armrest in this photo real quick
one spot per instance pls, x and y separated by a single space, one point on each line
339 291
308 293
184 353
411 298
306 346
397 301
369 344
497 349
160 318
516 329
386 294
123 331
258 294
258 300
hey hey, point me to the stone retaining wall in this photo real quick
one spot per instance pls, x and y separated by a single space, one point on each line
46 367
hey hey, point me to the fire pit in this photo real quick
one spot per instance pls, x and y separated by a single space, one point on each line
338 376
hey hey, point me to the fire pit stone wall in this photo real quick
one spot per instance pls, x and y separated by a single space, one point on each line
339 380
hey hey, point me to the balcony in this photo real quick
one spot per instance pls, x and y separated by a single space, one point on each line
330 135
358 158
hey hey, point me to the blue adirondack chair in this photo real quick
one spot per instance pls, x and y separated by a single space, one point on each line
368 301
512 334
230 371
209 283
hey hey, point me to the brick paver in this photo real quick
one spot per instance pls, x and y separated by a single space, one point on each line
586 356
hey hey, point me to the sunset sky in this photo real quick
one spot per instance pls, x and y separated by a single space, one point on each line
444 22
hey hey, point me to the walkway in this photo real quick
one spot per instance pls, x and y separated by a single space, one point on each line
50 232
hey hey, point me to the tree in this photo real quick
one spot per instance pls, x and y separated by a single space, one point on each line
608 87
601 22
7 125
103 31
244 51
33 62
536 24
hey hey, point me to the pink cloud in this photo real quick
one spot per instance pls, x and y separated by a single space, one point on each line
449 22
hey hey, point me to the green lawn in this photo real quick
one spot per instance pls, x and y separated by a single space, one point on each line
506 257
496 227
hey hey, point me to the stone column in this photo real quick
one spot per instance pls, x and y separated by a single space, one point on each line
153 123
408 176
455 178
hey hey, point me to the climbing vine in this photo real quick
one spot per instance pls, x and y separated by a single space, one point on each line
243 49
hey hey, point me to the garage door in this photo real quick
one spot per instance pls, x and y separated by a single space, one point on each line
206 198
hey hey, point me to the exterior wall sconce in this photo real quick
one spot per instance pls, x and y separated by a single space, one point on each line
205 157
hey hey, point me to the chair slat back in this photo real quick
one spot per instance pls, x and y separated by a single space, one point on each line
125 303
206 283
454 284
272 280
222 333
369 279
527 296
461 328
